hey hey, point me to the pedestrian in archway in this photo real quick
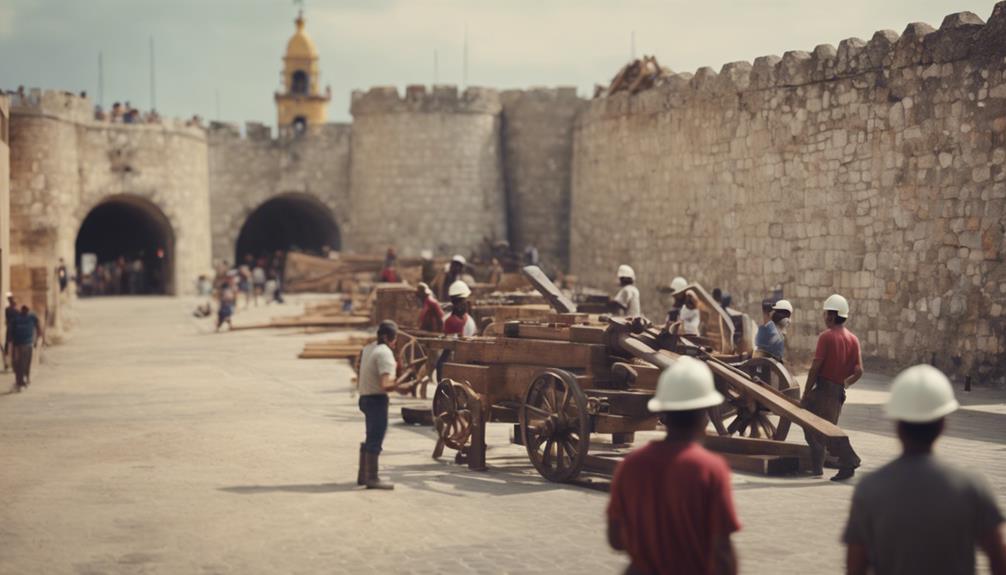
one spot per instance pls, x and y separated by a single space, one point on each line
10 314
62 276
25 337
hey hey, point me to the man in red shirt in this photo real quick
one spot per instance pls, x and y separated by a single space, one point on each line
431 316
837 365
671 506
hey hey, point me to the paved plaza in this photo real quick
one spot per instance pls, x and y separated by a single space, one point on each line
149 444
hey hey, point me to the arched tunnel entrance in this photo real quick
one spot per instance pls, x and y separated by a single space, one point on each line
284 223
125 246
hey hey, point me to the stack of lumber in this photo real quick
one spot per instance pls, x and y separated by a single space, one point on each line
341 272
344 348
636 76
310 321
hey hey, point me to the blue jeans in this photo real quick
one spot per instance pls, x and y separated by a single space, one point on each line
375 409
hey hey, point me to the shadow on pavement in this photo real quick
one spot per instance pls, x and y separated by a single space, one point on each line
962 424
305 488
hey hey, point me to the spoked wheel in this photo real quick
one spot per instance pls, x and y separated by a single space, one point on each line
739 415
414 366
555 425
453 405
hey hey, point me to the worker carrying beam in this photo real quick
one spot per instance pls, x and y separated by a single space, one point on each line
838 364
626 302
918 514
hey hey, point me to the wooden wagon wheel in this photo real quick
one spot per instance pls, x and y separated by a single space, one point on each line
555 425
745 417
413 367
453 404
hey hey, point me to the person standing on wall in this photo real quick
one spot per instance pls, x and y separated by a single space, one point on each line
838 364
10 313
671 507
376 379
626 301
918 514
770 341
25 338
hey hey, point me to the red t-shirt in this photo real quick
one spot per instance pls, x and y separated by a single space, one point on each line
389 275
455 324
838 351
672 500
430 315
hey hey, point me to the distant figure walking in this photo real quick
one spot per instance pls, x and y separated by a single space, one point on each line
26 334
10 313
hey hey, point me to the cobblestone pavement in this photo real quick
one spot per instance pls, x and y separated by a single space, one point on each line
148 444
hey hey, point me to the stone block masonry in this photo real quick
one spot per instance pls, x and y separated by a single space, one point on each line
875 170
426 170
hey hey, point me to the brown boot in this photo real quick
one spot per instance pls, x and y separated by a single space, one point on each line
361 476
374 482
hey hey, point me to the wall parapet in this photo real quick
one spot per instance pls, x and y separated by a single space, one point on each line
419 99
961 36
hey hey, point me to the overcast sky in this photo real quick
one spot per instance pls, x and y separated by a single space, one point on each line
233 47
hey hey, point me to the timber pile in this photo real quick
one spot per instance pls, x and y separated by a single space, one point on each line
345 348
344 273
310 321
634 77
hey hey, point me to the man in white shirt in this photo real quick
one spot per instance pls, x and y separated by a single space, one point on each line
376 378
626 302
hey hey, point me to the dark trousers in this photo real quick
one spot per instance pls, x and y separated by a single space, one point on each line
21 358
825 399
375 409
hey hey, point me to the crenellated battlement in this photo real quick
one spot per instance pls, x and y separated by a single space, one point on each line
52 103
419 99
257 132
961 36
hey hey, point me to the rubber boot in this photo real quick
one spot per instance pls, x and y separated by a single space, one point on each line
361 476
374 482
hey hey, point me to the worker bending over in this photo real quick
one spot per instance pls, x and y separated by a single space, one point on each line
671 506
837 365
918 514
431 316
626 302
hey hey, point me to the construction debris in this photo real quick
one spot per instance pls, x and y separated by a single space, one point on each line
634 77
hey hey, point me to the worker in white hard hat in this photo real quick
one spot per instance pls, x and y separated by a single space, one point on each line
431 315
677 290
918 514
453 273
837 365
459 322
626 301
770 341
671 506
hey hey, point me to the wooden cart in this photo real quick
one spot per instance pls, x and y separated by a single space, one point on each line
564 382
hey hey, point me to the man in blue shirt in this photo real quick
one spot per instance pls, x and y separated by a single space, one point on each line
770 341
26 332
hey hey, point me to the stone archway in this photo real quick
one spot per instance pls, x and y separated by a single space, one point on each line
287 222
120 231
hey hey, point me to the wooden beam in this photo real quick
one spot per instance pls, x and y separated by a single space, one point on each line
607 423
754 446
540 281
762 464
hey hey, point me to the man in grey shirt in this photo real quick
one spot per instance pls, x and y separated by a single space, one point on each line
918 514
375 380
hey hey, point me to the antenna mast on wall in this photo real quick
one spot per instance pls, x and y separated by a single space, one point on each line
632 46
153 85
436 68
101 79
464 60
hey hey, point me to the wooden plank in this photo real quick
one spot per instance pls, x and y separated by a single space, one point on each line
540 281
762 464
624 402
535 331
587 334
603 465
530 352
607 423
754 446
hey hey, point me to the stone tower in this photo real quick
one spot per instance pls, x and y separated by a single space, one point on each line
301 103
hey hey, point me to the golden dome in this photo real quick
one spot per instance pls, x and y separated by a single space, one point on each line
301 45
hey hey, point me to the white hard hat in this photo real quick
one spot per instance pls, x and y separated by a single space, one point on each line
783 305
10 294
459 289
837 304
459 259
921 394
678 283
686 385
625 271
426 254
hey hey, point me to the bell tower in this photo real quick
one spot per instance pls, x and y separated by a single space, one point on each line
301 103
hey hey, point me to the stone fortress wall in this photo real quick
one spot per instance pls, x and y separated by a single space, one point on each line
426 170
246 171
63 164
875 170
